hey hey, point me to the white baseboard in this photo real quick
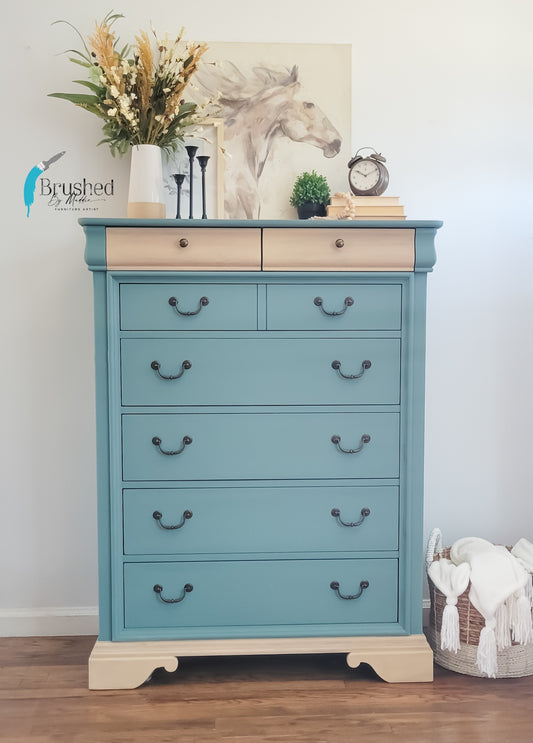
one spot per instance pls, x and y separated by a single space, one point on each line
49 621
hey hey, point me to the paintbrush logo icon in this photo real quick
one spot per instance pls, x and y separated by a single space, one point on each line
31 179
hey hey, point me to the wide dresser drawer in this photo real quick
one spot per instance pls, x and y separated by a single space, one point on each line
253 371
260 446
334 307
338 249
183 595
183 249
188 306
184 521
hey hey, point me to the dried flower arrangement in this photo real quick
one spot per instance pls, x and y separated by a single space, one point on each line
138 91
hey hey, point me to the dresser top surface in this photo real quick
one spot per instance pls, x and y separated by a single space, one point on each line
262 223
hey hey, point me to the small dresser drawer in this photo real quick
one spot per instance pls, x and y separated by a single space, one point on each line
187 521
260 446
263 371
334 307
338 249
259 592
188 306
183 249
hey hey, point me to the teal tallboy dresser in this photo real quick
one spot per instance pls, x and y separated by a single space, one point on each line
260 422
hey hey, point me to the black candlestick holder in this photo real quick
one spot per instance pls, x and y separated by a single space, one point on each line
191 152
202 160
179 178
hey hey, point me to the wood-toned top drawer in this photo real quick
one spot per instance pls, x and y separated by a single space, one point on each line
266 371
338 249
260 446
334 307
188 306
184 595
186 521
183 249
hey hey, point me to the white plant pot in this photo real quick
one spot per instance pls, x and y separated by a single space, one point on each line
145 196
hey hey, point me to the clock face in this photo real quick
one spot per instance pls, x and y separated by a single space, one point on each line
364 175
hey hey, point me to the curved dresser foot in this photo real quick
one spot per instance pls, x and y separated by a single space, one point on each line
395 659
126 665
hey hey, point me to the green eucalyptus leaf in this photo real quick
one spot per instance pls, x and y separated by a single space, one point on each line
78 61
77 98
98 89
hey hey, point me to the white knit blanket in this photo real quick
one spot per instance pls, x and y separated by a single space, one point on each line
500 589
452 580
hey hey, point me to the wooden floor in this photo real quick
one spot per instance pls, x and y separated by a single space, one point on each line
291 699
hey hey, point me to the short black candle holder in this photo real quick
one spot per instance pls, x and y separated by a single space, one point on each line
202 160
179 178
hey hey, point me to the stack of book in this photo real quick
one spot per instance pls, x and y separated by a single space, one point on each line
348 206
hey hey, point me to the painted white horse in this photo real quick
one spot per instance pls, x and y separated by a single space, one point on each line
258 109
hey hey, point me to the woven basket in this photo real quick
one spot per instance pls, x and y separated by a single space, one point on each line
513 662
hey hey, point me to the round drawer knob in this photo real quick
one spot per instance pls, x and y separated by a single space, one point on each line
339 243
183 242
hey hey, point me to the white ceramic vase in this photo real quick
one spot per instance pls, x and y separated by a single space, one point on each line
145 196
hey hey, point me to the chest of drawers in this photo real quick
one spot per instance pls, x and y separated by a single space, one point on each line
260 407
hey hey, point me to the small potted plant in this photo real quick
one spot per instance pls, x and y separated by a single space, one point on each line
310 195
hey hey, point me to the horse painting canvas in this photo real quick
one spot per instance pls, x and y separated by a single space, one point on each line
279 120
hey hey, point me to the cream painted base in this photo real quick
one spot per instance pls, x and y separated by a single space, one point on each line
146 210
126 665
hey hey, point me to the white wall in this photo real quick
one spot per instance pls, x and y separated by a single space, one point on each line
444 90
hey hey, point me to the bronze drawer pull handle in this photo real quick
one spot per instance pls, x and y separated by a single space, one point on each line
156 366
339 243
364 366
157 515
183 243
173 302
337 514
365 438
319 302
187 588
156 441
362 586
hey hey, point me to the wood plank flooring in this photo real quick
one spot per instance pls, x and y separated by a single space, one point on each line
286 699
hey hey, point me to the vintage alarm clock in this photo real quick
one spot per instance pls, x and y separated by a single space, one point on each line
368 176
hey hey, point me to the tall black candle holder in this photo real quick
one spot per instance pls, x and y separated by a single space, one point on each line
202 160
179 178
191 151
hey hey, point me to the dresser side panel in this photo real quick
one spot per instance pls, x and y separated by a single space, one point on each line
412 437
102 453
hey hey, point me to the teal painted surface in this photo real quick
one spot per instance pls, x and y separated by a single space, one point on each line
413 382
259 592
230 307
248 520
375 307
260 408
260 371
105 549
260 446
425 253
408 224
95 248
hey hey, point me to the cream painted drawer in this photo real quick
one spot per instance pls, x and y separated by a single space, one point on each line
183 249
338 249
